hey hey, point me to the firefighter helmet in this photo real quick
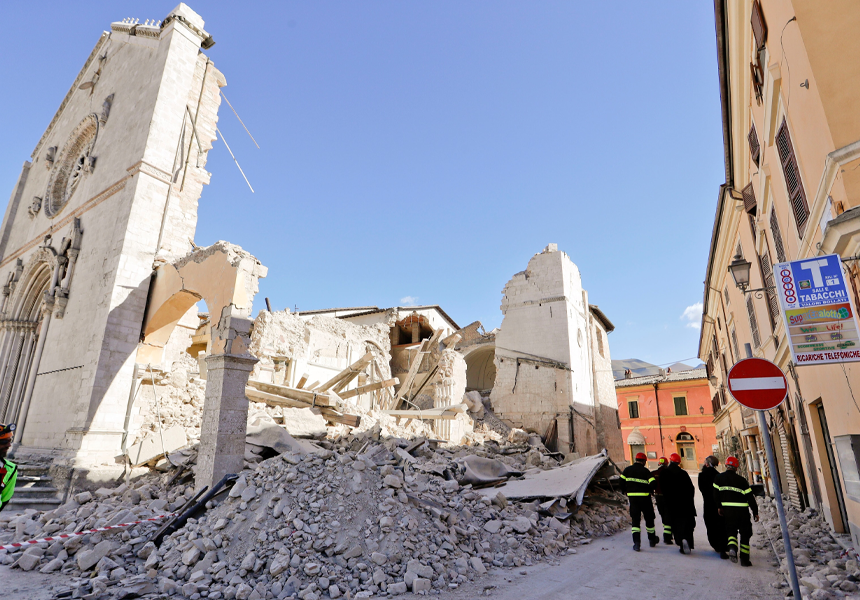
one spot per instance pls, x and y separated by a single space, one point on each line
675 458
733 462
641 456
662 461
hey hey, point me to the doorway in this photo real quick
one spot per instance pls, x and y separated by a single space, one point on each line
687 451
831 459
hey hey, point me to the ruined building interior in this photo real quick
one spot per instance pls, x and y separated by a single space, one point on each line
103 344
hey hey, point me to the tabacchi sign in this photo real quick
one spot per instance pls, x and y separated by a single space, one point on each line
818 311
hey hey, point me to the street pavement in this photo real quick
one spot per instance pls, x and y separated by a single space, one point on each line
609 569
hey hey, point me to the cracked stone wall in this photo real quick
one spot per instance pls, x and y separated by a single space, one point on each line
152 77
543 358
289 346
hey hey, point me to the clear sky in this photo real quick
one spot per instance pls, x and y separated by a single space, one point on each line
424 151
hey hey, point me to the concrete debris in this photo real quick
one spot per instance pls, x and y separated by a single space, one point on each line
571 480
364 514
157 444
825 568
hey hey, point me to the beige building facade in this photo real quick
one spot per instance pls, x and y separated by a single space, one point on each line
788 82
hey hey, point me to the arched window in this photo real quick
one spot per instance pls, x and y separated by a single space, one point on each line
684 437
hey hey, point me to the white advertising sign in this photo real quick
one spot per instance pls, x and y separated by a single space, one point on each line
818 312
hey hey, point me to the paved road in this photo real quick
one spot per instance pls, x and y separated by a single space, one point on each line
608 569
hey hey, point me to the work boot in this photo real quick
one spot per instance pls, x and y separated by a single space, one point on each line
745 560
667 539
685 547
636 547
653 540
724 556
733 555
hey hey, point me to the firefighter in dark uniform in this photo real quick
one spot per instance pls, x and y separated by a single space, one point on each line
735 499
638 485
662 463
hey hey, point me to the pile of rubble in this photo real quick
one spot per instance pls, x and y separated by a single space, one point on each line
824 569
359 516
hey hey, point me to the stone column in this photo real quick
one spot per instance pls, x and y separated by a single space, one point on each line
225 417
416 332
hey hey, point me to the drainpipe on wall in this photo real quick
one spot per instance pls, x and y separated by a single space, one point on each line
659 420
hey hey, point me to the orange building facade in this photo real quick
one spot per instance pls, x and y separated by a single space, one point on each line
665 414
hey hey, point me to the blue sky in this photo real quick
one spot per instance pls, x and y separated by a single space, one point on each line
427 150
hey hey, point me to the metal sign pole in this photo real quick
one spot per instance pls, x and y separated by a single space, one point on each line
780 509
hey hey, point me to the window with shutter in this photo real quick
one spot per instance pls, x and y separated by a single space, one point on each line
796 195
726 294
633 408
757 76
735 344
777 236
755 149
759 26
770 290
749 199
753 322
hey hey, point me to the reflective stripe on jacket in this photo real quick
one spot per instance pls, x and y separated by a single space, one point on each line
7 486
638 480
733 490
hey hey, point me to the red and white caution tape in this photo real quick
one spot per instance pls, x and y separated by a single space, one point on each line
64 536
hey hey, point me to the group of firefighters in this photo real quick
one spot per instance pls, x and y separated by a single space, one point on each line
726 496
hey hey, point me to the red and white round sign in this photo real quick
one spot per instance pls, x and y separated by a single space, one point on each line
757 384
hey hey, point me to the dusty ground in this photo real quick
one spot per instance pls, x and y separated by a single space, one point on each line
607 569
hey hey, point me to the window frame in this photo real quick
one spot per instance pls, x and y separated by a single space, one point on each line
683 397
631 404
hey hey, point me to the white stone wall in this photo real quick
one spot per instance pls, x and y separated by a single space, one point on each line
120 207
543 365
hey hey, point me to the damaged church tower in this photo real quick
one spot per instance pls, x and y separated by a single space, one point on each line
553 368
110 194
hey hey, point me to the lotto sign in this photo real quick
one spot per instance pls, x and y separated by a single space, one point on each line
818 313
757 384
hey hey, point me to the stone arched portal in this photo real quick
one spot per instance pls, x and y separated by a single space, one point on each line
225 277
481 368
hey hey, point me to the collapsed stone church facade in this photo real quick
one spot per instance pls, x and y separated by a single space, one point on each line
110 193
99 267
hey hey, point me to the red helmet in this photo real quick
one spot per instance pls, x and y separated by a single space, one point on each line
641 456
675 458
733 462
662 461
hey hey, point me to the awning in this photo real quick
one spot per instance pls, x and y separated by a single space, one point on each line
636 438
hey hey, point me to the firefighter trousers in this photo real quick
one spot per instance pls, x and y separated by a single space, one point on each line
738 529
664 517
641 506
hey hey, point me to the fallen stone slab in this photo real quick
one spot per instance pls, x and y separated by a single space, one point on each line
304 422
156 445
569 480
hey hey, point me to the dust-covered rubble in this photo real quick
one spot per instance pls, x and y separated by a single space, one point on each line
364 516
825 570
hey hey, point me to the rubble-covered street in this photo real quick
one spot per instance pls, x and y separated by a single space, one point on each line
359 516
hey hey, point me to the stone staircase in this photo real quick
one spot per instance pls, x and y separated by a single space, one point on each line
35 489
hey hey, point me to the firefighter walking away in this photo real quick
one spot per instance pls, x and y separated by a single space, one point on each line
638 483
662 463
735 499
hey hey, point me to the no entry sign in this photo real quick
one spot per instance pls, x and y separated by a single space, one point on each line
757 384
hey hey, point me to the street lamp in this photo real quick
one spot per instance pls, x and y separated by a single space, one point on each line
740 270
